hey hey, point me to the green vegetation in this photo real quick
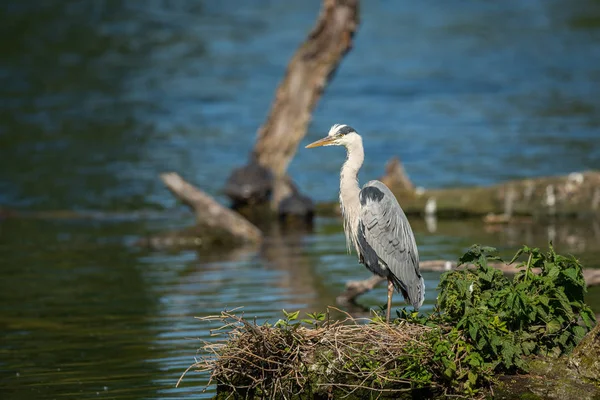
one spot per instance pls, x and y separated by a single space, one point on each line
487 324
484 325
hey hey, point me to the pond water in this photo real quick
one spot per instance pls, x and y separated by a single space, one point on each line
98 98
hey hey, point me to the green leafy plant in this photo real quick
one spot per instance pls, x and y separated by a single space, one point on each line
486 323
314 319
540 311
289 321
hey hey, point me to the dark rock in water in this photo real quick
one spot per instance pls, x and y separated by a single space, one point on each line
296 207
250 184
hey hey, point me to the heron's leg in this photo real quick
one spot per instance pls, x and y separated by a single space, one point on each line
389 298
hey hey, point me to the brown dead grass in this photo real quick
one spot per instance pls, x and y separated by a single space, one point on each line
349 356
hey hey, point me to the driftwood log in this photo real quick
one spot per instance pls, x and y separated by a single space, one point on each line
357 288
213 221
265 176
307 74
576 195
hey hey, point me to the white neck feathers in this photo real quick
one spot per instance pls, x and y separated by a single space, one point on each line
349 189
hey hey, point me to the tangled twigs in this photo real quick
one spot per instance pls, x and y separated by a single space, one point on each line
291 358
484 326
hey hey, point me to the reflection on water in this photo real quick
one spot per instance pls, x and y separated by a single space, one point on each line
97 98
85 313
568 237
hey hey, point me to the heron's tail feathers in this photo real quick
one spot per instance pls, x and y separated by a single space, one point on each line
414 294
420 295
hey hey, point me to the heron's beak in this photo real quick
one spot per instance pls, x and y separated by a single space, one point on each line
321 142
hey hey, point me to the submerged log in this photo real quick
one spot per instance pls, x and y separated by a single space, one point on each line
306 77
213 220
576 195
355 289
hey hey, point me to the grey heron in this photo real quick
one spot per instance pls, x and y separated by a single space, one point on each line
375 224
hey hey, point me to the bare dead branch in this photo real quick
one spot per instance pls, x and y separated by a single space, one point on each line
307 74
357 288
208 212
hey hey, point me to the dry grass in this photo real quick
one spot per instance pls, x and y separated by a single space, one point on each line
348 357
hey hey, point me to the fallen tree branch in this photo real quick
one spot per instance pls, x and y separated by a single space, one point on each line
308 72
573 195
210 214
576 195
357 288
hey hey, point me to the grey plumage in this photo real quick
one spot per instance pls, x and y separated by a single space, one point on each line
375 224
386 241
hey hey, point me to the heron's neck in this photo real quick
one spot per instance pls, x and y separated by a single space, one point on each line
349 190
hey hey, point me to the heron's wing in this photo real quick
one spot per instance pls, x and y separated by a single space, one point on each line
387 242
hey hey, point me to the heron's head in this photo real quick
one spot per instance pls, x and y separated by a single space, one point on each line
339 135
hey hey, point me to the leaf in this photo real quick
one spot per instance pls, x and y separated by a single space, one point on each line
564 337
280 323
473 331
528 347
450 371
521 364
579 332
589 319
472 378
553 326
471 255
501 320
508 351
542 313
475 360
488 249
481 343
543 299
518 253
572 275
551 270
293 316
564 302
495 343
522 286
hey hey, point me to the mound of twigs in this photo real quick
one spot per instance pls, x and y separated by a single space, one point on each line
322 359
484 325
